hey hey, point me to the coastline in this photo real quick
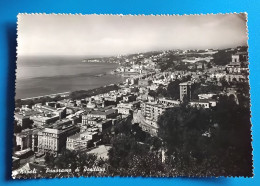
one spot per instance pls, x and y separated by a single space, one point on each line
104 81
78 94
85 78
62 94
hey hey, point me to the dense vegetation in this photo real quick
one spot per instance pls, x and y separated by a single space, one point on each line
134 152
222 57
208 142
79 163
82 94
197 141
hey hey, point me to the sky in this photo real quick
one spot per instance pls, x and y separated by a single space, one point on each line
101 35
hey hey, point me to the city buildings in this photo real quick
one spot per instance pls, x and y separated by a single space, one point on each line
185 91
127 108
237 70
81 124
104 114
168 102
53 138
200 103
82 141
150 113
152 110
24 139
23 120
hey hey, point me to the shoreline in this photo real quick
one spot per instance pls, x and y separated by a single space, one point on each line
74 95
71 83
62 94
69 93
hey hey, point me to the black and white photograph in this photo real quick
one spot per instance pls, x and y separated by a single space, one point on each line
132 95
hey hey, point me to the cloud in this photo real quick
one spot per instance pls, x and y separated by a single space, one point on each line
112 35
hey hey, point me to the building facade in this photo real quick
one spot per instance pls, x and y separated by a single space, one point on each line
24 139
53 139
82 141
185 91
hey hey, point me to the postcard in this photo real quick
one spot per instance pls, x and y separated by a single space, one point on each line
132 95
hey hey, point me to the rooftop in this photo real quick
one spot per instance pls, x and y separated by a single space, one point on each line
25 132
233 64
200 101
185 83
58 128
107 112
82 135
241 53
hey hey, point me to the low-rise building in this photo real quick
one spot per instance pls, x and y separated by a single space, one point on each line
53 138
110 113
40 120
24 139
23 120
125 108
236 68
200 103
239 57
105 125
168 102
206 96
82 141
101 124
86 120
204 103
236 77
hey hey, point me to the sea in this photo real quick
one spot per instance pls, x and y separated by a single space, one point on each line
39 76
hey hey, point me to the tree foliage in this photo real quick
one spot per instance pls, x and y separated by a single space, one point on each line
82 94
173 89
206 142
131 145
222 57
78 162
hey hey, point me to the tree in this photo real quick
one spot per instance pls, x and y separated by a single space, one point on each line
181 126
233 137
123 148
124 126
173 89
18 103
149 165
161 91
153 93
222 57
72 160
131 144
225 150
224 83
